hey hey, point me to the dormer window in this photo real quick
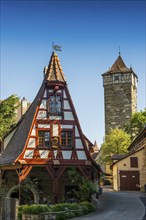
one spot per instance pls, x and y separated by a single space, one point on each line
54 105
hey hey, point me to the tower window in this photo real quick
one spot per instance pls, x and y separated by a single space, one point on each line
116 77
66 138
54 106
44 139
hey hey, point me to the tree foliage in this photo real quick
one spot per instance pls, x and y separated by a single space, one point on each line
116 142
86 186
136 123
8 115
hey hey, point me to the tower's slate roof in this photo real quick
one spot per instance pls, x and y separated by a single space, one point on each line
118 67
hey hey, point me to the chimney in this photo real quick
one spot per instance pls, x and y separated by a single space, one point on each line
23 105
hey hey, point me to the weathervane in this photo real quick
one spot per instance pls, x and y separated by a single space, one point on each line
56 47
119 50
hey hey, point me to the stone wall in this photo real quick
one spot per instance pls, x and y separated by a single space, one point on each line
9 179
120 102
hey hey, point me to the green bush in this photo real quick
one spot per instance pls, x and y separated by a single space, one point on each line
20 211
63 210
73 206
70 214
88 205
60 216
60 207
84 209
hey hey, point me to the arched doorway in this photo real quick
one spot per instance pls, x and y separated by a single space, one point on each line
28 195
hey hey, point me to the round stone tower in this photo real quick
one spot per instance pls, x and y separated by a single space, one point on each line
120 94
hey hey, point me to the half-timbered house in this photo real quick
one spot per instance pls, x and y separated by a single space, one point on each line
45 143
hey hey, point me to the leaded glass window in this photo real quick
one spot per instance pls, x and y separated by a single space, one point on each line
54 105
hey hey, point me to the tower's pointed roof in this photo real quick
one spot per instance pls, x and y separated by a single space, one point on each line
54 70
96 148
118 67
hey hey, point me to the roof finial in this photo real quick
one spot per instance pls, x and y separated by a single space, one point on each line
56 47
53 46
119 51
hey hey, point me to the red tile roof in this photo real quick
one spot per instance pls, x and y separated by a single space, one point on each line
54 70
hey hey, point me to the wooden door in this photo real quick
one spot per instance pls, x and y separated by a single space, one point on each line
129 180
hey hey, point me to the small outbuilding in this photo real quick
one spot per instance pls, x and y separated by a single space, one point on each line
129 171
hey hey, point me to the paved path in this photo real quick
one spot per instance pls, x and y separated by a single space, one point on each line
117 206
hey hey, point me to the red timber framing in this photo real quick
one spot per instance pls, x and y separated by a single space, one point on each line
49 134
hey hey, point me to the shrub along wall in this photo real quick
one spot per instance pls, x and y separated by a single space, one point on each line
60 211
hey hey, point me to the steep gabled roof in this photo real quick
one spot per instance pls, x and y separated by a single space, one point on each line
118 67
17 142
54 70
21 141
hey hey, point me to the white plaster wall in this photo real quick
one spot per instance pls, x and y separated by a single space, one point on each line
59 91
31 142
43 126
64 95
68 116
50 90
43 104
42 115
56 117
67 126
45 94
79 143
66 154
29 154
55 130
76 132
55 153
43 154
33 132
81 155
66 105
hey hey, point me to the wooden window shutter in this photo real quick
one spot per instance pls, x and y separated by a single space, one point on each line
134 161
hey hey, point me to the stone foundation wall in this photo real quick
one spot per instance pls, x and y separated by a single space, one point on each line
9 179
38 182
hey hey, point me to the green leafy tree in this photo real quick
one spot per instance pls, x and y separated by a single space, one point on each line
136 123
116 142
8 115
86 186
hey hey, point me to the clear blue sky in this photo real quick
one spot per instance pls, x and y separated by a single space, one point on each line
90 33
